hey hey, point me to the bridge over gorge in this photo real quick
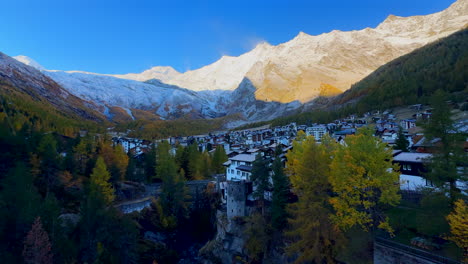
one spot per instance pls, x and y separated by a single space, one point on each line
153 191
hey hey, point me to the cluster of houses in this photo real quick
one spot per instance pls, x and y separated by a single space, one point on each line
237 188
244 146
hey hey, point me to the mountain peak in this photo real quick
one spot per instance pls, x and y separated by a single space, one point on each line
162 69
28 61
263 45
301 35
162 73
392 17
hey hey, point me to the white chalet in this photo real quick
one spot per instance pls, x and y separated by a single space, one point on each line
239 167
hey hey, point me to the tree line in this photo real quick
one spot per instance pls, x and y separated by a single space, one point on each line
57 195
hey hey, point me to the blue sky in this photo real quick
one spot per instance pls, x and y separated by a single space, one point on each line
131 36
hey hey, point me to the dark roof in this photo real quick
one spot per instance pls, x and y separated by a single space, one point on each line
412 157
346 132
245 168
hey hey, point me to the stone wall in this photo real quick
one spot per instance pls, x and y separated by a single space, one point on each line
236 198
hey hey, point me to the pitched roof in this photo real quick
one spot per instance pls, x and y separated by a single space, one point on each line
244 157
411 157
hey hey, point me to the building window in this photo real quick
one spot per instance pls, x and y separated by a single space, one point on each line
407 167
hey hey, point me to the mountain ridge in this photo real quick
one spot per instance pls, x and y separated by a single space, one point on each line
279 77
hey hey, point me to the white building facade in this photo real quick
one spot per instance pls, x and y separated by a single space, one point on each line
239 167
316 131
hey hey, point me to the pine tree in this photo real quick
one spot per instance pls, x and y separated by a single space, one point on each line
115 158
19 205
49 162
361 178
279 196
195 163
99 182
37 247
150 164
182 157
260 179
173 190
105 237
315 236
120 162
258 237
84 151
278 151
401 141
448 151
133 173
206 167
219 157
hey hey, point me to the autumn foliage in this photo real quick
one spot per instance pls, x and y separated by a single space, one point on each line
458 221
37 247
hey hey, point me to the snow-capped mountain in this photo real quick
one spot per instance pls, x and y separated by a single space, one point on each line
162 73
224 74
299 68
167 101
269 80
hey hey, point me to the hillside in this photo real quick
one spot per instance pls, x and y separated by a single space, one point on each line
408 80
29 97
414 77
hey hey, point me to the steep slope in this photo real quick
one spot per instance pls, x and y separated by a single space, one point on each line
18 79
297 69
107 92
413 78
410 79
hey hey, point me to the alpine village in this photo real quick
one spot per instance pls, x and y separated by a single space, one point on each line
341 147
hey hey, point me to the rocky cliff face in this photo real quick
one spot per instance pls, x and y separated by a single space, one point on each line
228 246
